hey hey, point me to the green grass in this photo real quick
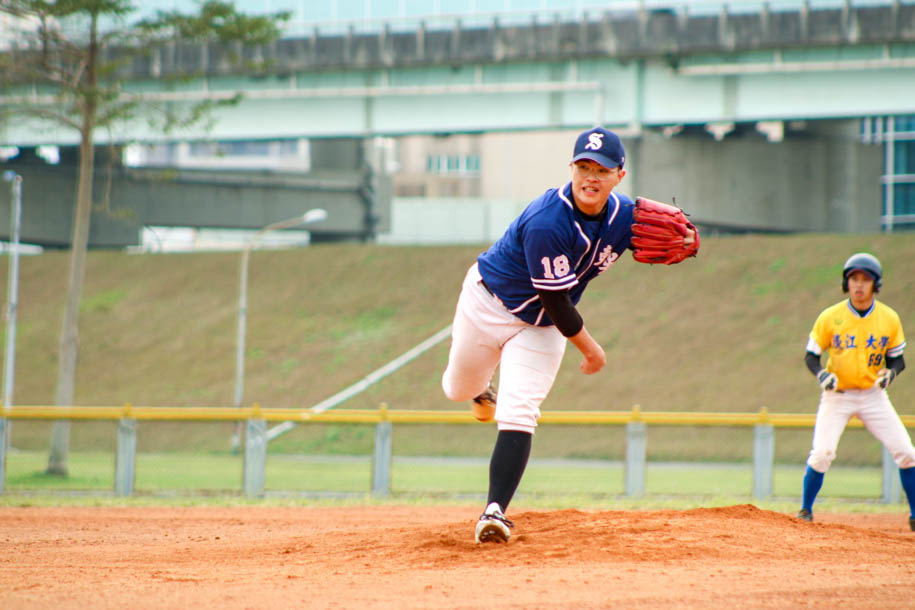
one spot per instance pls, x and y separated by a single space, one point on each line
25 470
103 302
546 483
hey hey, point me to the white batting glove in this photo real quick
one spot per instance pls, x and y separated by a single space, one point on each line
885 377
827 380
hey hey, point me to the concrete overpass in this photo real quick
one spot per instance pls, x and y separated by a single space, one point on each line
663 66
688 91
128 199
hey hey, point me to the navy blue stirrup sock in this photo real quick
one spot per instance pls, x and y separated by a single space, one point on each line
813 481
907 476
509 459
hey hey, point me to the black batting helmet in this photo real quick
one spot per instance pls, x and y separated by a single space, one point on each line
862 261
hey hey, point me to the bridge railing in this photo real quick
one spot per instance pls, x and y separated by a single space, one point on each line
636 423
404 20
667 29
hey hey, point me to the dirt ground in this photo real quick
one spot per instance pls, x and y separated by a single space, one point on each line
425 557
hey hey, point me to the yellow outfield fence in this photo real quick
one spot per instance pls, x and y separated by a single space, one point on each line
403 416
257 438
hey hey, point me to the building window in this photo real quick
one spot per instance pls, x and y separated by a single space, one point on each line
897 135
281 155
230 149
453 165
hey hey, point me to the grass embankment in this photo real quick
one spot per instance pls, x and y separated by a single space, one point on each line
722 332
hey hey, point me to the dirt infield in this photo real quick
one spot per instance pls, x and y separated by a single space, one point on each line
425 557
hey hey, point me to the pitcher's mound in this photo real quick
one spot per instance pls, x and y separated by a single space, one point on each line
425 557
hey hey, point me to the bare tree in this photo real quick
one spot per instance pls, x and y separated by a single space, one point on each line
65 66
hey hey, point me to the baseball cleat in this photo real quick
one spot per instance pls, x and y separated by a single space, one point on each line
805 515
483 406
912 523
493 526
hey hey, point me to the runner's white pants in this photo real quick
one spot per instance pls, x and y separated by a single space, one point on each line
876 412
484 335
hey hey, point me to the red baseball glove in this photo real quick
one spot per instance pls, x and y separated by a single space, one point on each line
661 233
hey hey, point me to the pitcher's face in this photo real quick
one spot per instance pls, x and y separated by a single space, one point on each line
592 184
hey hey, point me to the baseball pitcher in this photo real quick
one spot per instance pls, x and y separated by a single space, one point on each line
517 308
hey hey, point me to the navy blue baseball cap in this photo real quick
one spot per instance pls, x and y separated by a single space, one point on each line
600 145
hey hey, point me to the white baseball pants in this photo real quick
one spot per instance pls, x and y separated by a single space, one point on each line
876 412
484 335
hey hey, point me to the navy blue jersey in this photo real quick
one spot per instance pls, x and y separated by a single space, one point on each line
553 246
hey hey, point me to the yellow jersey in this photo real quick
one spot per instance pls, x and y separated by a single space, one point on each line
857 345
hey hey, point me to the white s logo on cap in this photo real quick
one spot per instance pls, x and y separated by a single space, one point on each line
595 141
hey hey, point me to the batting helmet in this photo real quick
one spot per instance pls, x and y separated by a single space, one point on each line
862 261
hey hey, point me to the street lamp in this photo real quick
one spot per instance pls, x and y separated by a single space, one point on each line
13 284
9 353
313 215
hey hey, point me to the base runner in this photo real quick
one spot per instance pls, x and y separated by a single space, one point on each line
864 340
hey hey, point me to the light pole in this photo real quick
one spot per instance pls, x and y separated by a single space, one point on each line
9 354
313 215
13 284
